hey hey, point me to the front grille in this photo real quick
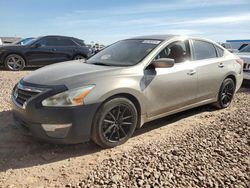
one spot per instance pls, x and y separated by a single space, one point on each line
23 94
246 67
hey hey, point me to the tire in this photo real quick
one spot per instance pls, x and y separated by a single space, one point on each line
114 122
77 57
14 62
226 94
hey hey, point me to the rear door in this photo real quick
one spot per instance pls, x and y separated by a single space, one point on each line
210 68
172 88
67 49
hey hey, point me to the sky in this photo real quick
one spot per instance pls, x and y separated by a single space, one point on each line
106 21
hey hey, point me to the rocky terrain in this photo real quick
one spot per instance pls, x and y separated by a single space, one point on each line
203 147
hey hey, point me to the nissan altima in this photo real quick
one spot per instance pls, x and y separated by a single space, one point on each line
123 86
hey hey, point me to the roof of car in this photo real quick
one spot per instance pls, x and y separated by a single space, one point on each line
155 37
57 36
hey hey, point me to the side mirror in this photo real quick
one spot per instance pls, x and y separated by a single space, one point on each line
163 63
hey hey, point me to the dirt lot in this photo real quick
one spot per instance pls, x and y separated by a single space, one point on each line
203 147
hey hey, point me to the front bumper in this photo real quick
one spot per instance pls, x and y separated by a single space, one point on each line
30 121
246 75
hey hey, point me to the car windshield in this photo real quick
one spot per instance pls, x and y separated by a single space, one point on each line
124 53
25 41
246 49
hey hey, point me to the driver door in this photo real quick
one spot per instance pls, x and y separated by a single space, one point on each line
44 52
175 87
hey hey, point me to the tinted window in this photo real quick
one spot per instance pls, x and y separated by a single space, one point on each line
220 51
49 41
125 52
66 42
203 50
246 49
80 42
179 51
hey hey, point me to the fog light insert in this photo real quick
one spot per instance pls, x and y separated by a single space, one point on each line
53 127
57 130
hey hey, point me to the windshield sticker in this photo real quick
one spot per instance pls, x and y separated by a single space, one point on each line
151 42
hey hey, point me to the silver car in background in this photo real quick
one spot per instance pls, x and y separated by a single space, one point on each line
123 86
244 54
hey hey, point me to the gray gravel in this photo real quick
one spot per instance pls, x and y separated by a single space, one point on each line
214 155
212 149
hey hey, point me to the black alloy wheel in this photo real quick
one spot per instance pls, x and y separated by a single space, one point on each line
14 62
116 122
226 93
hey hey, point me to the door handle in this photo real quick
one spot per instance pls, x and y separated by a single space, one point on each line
191 72
221 65
53 49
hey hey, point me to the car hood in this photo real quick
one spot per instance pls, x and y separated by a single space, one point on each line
70 73
11 46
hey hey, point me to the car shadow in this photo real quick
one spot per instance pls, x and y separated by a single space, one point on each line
18 151
246 84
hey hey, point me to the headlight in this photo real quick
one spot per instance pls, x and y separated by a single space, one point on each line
73 97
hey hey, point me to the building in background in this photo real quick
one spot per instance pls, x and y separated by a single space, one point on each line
236 44
8 40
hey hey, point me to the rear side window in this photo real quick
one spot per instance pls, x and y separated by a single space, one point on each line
50 41
203 50
220 51
66 42
78 41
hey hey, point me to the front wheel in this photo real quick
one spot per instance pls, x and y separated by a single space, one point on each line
14 62
226 93
114 123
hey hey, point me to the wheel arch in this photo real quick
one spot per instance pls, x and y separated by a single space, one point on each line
81 54
13 53
233 77
130 97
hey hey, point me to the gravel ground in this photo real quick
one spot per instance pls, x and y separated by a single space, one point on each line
202 147
216 155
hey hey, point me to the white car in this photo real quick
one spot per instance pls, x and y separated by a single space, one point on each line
244 54
1 43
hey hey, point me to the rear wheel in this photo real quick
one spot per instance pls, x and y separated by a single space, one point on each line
77 57
226 93
114 123
14 62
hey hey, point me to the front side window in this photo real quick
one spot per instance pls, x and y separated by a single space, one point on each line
51 41
203 50
179 51
124 53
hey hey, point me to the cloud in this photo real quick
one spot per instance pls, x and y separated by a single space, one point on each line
219 20
147 8
215 20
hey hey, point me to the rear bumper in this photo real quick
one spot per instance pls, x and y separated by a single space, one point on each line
239 80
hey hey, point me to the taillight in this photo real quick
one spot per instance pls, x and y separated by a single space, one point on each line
241 62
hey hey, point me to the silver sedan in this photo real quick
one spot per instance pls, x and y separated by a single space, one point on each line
123 86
